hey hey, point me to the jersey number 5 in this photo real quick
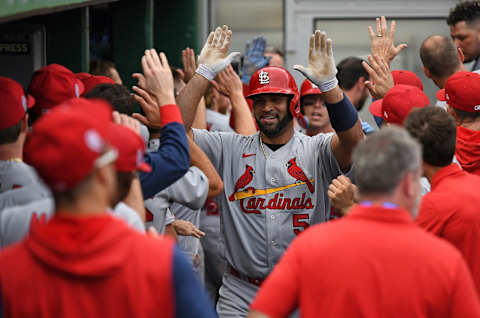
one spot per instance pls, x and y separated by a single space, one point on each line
300 221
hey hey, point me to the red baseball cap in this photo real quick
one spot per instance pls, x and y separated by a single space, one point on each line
399 102
90 81
52 85
131 149
462 91
308 88
407 78
66 144
14 102
376 108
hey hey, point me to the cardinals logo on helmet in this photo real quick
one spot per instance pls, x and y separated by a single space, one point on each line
243 181
295 171
263 78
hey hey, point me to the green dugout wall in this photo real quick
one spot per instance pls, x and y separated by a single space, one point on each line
168 26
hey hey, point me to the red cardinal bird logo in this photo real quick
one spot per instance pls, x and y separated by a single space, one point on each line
243 181
297 172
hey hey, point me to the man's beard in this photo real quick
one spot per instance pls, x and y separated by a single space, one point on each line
278 129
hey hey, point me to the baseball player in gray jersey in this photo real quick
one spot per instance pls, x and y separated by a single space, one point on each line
275 181
191 191
191 244
14 174
15 221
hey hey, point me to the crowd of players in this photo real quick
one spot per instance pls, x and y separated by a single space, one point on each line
192 206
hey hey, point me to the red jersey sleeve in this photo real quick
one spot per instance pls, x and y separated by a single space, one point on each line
278 295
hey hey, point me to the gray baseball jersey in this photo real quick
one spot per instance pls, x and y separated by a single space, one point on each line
217 121
269 196
15 221
191 191
19 184
16 174
23 195
190 244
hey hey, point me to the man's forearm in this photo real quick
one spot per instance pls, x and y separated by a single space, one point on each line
244 122
189 98
334 96
344 119
200 120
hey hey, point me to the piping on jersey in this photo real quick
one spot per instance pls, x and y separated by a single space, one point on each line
249 192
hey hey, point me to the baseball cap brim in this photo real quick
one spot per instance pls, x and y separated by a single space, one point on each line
270 90
81 87
376 108
441 96
311 91
83 76
30 101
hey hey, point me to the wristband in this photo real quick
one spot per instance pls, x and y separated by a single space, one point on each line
206 72
343 114
170 114
328 85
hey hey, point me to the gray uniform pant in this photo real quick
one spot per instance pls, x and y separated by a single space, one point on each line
236 295
215 263
235 298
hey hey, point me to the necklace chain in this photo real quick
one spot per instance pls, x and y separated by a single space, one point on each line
14 160
261 145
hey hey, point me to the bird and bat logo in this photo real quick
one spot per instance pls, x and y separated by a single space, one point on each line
295 171
254 204
243 181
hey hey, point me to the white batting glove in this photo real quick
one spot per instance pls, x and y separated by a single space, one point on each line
213 58
321 68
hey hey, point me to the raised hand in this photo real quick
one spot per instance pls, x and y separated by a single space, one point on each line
381 79
228 83
213 57
149 106
140 79
158 77
321 68
254 58
189 64
382 41
127 121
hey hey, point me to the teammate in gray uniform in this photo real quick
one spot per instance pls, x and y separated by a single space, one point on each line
24 195
191 244
191 191
14 174
15 221
275 180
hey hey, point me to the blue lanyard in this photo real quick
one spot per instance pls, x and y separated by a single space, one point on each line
387 205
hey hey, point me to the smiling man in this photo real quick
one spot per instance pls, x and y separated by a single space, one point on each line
275 181
464 22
